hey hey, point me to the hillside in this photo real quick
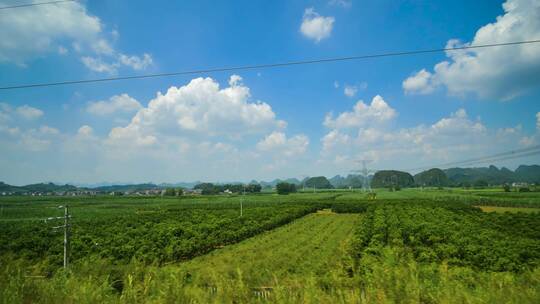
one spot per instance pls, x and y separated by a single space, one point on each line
340 182
318 182
40 187
494 176
431 178
127 188
392 178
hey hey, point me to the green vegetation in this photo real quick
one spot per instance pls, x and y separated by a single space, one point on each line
431 178
315 249
416 246
42 187
392 179
508 209
318 182
493 176
284 188
209 188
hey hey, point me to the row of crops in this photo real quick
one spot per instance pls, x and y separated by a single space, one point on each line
454 233
154 233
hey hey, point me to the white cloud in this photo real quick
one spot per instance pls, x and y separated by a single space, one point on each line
102 46
32 140
30 32
200 108
538 120
446 139
336 84
116 104
85 131
278 142
28 112
315 26
419 83
5 109
342 3
98 65
48 130
377 112
350 90
36 31
497 72
333 139
136 62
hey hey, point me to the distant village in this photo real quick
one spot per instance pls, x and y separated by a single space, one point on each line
153 192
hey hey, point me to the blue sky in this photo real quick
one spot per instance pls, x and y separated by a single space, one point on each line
402 112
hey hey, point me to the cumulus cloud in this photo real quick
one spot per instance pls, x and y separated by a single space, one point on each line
446 139
377 112
136 62
419 83
32 140
98 65
200 108
315 26
36 31
116 104
538 120
26 112
29 112
496 72
278 142
85 130
199 130
30 32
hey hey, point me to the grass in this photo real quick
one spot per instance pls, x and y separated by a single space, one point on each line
306 261
313 246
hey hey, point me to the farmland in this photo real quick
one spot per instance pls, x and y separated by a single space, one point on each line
412 245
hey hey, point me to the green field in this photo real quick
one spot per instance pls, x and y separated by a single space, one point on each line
409 246
315 249
508 209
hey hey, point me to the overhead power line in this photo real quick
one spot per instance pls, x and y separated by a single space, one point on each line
518 153
265 66
35 4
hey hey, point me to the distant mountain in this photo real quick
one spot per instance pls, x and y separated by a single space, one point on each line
272 184
9 188
494 176
392 178
340 182
49 187
41 187
318 182
127 188
185 185
530 174
386 178
431 178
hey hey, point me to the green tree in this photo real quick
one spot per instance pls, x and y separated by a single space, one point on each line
285 188
318 182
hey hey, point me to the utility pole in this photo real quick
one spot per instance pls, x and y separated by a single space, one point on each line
304 179
242 199
67 235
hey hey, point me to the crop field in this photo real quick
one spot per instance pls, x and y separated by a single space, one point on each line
508 209
409 246
315 249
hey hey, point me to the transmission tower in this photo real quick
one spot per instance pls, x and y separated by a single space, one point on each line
366 185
